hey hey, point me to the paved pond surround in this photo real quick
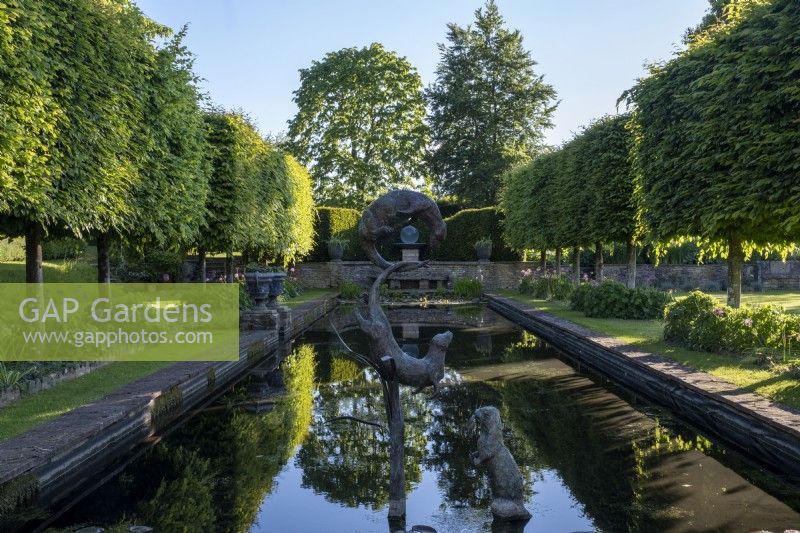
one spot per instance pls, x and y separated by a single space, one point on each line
763 430
48 463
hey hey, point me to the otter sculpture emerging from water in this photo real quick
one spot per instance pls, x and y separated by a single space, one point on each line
505 477
381 219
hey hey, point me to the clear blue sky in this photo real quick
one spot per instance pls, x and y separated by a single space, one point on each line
249 51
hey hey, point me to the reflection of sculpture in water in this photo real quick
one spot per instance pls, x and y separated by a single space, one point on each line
394 366
505 478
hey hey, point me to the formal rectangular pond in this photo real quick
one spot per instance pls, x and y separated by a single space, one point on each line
282 452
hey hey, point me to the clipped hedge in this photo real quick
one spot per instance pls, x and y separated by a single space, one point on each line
468 226
338 222
611 299
700 322
463 229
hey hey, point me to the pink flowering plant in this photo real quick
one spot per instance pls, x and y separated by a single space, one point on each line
545 284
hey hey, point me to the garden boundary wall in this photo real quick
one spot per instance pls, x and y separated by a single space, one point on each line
756 276
760 428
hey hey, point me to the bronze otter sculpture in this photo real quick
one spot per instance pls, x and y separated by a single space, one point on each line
505 478
381 218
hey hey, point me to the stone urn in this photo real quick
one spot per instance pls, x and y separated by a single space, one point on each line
483 249
276 287
265 287
336 249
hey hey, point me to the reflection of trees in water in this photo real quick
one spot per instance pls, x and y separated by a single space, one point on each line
451 443
213 473
348 461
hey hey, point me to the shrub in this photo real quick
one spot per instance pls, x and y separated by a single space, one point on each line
129 266
611 299
547 287
577 300
468 288
350 291
699 322
12 249
63 248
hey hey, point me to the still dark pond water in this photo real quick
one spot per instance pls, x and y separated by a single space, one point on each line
594 457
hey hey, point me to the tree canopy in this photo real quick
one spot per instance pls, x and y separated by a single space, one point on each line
576 195
717 133
488 108
360 125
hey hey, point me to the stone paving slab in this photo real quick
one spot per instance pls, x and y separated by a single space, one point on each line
756 425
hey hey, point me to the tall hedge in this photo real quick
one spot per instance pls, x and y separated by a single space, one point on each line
341 223
718 135
463 230
467 227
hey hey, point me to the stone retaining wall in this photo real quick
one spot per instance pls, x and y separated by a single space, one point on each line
756 276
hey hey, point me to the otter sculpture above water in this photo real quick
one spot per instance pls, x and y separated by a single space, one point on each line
505 478
384 216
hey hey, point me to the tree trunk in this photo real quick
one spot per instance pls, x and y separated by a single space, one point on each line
558 261
630 256
103 259
33 253
200 267
397 476
735 258
543 261
229 268
576 265
598 261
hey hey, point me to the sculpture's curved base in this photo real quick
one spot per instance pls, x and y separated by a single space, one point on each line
504 509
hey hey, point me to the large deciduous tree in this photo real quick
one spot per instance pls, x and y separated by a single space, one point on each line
488 108
717 134
360 125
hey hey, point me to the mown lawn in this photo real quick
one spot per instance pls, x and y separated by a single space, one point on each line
790 301
306 296
648 335
62 271
33 410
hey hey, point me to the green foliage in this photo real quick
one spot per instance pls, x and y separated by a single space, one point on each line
360 125
489 109
467 227
611 299
716 134
169 199
63 248
582 193
468 288
85 63
350 291
546 287
699 322
132 266
339 223
463 230
12 249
